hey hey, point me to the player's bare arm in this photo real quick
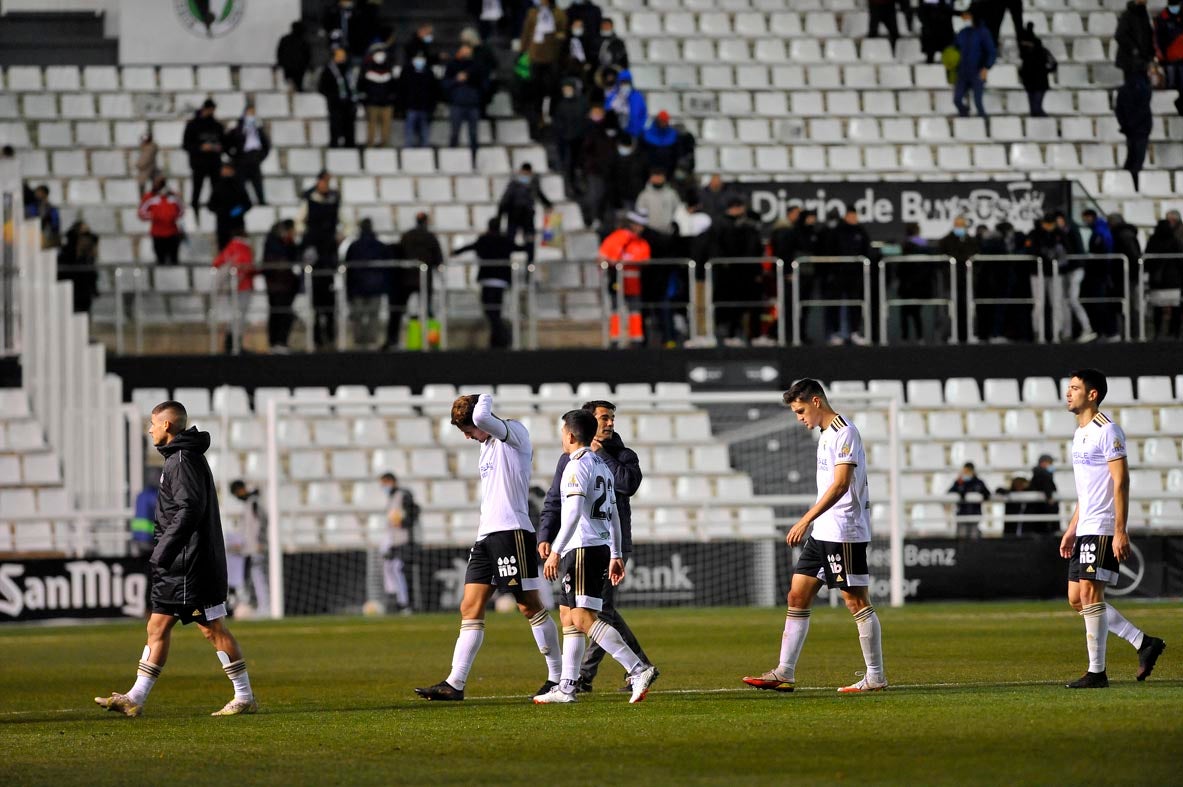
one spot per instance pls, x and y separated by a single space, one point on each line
843 475
1069 535
1119 470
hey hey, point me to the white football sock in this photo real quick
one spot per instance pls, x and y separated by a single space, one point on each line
574 646
1096 629
546 634
472 634
146 675
791 642
870 639
236 672
1123 628
610 640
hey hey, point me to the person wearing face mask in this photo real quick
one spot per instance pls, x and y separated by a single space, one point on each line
611 52
959 244
629 105
597 159
464 86
1042 481
569 122
421 45
630 172
248 145
352 22
378 88
969 512
338 86
1168 39
517 206
418 94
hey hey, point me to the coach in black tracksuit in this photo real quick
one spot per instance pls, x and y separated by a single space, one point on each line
626 474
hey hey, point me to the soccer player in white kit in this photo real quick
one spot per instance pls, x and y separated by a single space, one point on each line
836 552
504 554
586 554
1096 541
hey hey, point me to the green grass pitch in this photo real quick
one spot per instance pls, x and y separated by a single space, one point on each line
977 697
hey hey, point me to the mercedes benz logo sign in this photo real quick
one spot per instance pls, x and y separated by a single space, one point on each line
1130 574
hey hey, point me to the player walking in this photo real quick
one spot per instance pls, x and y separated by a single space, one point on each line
188 565
1096 542
504 554
836 552
588 545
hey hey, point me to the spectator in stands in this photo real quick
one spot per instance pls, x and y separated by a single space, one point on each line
484 60
544 35
465 90
248 145
629 105
364 284
489 15
320 213
378 88
1165 281
1125 241
1038 65
1134 118
611 51
1000 279
340 92
661 143
936 27
1047 242
421 45
145 163
1098 280
848 238
1174 218
1042 481
969 512
914 281
715 196
238 258
993 12
629 175
569 123
736 234
293 55
47 216
203 142
628 245
493 248
1012 525
959 244
419 92
163 209
516 206
597 160
420 243
1168 38
229 203
660 202
1135 41
586 15
353 25
76 263
783 241
882 12
978 54
280 254
579 59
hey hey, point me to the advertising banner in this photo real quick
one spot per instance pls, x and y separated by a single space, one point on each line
66 589
885 207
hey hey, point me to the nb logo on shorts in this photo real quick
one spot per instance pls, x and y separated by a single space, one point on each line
835 563
566 583
507 566
1088 553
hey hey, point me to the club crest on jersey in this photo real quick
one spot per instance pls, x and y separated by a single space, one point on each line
844 450
1118 445
573 481
507 566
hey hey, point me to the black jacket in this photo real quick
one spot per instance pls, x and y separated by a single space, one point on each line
276 250
293 53
236 144
362 281
493 250
626 474
469 92
1135 40
201 131
962 488
1042 481
228 198
337 86
418 90
189 559
1132 108
323 215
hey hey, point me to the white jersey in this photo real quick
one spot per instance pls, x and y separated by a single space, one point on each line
589 505
505 472
849 519
1094 446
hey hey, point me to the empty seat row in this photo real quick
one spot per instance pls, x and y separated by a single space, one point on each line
121 106
29 501
68 78
35 469
21 435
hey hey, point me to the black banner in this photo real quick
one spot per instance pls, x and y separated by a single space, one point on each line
884 207
85 588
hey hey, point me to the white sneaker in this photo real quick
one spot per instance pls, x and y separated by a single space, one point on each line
120 703
238 707
555 695
865 685
860 340
641 682
1087 336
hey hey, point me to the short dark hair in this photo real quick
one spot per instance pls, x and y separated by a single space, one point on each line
968 466
1094 380
594 403
1088 212
388 477
176 413
581 424
237 484
462 410
803 391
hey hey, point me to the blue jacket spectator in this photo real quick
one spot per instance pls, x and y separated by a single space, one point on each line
629 105
661 142
977 50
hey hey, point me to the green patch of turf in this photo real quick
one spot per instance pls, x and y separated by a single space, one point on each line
977 697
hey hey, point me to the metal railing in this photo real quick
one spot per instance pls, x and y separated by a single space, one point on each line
1123 300
664 309
777 302
1036 301
886 303
799 303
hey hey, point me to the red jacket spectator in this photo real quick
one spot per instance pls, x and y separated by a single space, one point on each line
627 245
164 209
238 252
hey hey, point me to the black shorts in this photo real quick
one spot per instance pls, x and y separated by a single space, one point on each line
841 564
507 559
191 613
584 572
1092 558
